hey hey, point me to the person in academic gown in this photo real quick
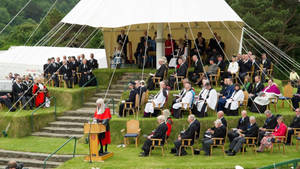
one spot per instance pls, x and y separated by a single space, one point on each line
181 71
103 116
187 97
237 142
132 96
159 133
160 72
241 127
263 99
257 87
198 68
66 71
232 104
159 99
207 98
40 91
294 124
191 132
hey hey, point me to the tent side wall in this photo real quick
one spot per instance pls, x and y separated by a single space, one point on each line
178 30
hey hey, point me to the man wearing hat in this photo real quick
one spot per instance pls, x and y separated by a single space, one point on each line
159 73
131 98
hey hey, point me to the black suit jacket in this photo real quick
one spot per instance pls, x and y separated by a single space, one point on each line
66 72
93 63
267 63
27 86
160 132
16 90
132 95
85 68
295 123
224 122
53 68
221 65
190 132
181 71
255 90
219 132
270 122
243 124
122 40
161 71
198 68
251 131
46 69
245 67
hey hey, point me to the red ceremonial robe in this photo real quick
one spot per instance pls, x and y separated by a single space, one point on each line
105 115
40 97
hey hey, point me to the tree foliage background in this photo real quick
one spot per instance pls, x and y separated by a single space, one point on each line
276 20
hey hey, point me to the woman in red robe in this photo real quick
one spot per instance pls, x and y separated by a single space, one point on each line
102 115
40 92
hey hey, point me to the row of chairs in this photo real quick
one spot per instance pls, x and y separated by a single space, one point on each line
133 131
62 82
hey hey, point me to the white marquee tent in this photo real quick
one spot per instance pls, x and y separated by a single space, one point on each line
24 59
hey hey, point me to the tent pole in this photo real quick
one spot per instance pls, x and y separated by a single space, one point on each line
241 41
160 43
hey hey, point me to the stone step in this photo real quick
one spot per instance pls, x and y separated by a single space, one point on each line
60 130
112 91
79 113
65 124
108 99
46 134
115 95
28 162
118 86
93 104
74 119
4 167
36 156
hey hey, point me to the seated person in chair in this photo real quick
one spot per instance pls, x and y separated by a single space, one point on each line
186 99
159 99
245 66
5 98
220 116
227 93
198 68
270 123
296 97
294 124
232 104
237 143
194 127
130 99
212 68
241 127
159 73
219 131
159 133
181 71
233 67
257 87
207 98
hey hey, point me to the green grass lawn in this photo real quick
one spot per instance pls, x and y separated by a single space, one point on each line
128 157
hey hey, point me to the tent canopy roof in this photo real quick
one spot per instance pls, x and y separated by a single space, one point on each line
120 13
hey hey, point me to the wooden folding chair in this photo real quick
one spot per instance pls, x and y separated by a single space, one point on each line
250 142
245 101
218 142
214 78
132 131
287 95
178 81
296 132
183 109
128 106
188 145
274 101
251 73
157 143
280 141
298 140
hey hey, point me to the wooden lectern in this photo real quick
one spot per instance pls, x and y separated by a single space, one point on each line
94 130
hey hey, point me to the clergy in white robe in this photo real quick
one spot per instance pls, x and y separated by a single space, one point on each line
232 104
186 100
158 101
207 98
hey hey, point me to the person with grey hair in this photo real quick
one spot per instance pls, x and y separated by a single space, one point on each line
131 99
237 143
186 99
102 115
270 123
12 164
158 101
242 125
66 72
159 133
169 121
192 132
160 72
219 131
18 93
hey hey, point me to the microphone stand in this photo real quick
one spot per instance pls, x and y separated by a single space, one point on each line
90 143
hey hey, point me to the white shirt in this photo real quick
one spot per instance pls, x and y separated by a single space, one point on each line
233 67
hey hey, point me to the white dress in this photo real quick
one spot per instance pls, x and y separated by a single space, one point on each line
233 67
158 99
235 98
210 96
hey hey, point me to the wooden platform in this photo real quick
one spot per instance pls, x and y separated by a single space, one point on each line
99 158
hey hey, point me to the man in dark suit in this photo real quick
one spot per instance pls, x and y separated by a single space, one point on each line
5 98
66 71
53 72
159 133
270 123
46 68
93 62
227 94
219 131
123 40
241 127
266 65
192 132
18 91
222 65
85 71
159 73
294 124
237 143
131 98
255 64
181 71
257 87
220 116
296 97
198 68
27 88
245 66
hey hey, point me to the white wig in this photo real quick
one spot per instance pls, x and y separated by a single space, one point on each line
100 106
